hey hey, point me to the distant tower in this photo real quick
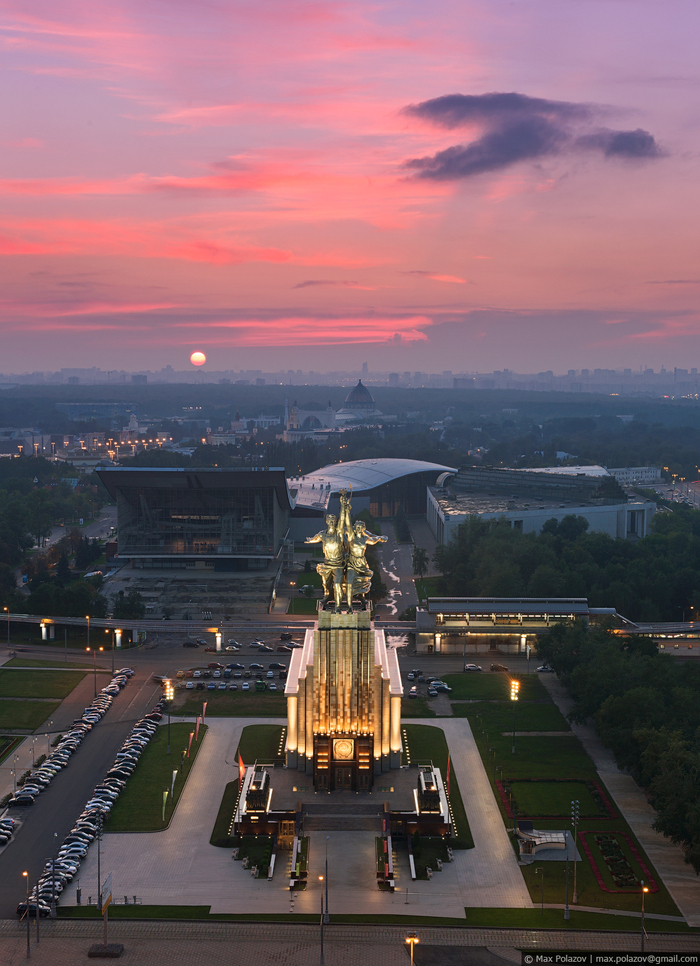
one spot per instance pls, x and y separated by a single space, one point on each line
365 370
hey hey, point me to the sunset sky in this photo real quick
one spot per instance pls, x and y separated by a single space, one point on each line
461 184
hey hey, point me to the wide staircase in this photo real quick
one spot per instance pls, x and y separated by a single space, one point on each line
343 817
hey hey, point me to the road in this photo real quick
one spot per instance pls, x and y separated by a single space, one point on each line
48 821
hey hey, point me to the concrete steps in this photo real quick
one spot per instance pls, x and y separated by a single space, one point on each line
343 823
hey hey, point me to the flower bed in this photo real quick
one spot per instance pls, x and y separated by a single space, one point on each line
595 790
616 862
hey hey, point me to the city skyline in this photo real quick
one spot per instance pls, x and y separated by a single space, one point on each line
465 188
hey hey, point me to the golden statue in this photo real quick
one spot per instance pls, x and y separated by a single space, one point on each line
344 548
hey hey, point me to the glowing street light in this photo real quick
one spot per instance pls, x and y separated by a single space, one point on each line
412 939
514 689
645 889
29 952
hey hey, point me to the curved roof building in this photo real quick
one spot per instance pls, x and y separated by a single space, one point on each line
382 486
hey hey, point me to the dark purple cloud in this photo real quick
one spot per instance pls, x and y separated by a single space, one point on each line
517 128
622 144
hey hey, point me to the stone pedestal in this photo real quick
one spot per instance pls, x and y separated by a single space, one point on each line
344 704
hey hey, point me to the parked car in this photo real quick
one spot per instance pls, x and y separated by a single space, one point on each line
211 686
245 686
190 644
498 667
236 667
276 666
413 693
432 693
546 669
441 687
473 667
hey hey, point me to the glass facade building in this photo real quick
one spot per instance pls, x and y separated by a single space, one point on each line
223 519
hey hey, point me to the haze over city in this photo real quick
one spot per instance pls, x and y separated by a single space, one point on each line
467 186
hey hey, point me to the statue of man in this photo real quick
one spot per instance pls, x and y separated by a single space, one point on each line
334 558
359 576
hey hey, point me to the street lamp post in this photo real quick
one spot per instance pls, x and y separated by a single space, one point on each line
574 822
87 618
94 667
567 915
8 624
323 918
514 688
326 919
645 889
48 737
29 952
412 939
540 870
107 632
169 695
14 773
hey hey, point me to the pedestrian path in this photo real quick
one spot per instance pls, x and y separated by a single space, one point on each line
489 873
298 944
678 877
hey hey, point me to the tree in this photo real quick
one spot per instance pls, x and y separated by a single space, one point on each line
128 606
63 574
420 561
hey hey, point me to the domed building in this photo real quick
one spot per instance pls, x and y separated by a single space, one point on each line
359 404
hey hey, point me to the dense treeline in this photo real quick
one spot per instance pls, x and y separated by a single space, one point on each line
656 578
646 707
34 497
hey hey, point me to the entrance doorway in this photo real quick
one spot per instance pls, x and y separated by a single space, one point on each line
343 778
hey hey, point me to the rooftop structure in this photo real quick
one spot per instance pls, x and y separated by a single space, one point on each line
381 486
220 519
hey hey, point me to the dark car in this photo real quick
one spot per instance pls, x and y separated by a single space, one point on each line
236 667
276 666
199 686
284 648
285 636
20 800
256 667
215 666
190 644
44 910
498 667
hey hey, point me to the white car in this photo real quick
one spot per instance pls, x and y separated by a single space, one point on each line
473 667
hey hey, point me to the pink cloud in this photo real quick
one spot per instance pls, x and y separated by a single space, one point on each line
299 331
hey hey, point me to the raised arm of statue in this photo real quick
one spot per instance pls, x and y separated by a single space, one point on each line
344 524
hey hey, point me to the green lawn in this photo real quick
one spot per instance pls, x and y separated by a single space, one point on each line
25 715
234 704
261 742
492 686
7 744
53 662
139 807
311 577
528 717
554 919
430 849
554 798
38 684
427 743
302 605
553 758
219 836
426 587
258 742
416 708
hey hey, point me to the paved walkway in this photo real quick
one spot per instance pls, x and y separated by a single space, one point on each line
272 944
397 566
489 874
179 867
678 877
